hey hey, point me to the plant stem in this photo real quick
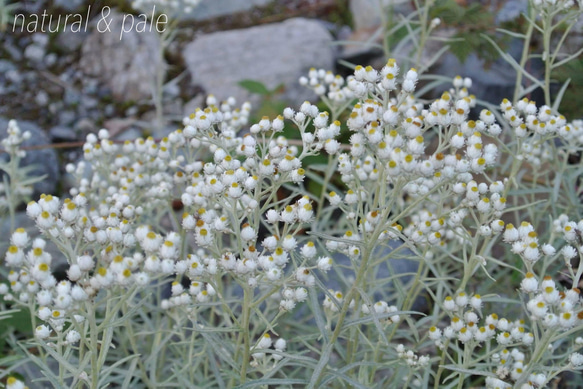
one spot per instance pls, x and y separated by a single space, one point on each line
247 295
524 57
547 30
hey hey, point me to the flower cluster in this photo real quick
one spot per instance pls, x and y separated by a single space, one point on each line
411 359
18 185
524 240
216 225
266 342
510 341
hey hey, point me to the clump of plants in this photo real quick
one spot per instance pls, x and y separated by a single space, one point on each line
201 259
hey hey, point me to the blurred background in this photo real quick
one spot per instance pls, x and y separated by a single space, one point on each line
64 75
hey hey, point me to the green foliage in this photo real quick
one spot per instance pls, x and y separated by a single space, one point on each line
572 99
256 87
6 13
13 321
470 22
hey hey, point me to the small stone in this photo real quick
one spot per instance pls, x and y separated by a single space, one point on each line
62 133
34 53
85 126
131 111
211 9
42 98
51 59
14 76
71 97
127 63
89 102
274 54
109 110
40 39
66 117
69 5
510 10
6 66
118 125
70 41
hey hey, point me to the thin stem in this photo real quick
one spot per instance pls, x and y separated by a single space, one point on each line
525 55
547 30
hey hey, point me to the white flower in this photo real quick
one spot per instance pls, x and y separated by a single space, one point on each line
248 233
289 243
476 302
280 344
265 341
449 304
464 335
42 331
511 234
569 252
73 337
461 299
14 383
325 263
309 250
435 333
305 213
301 294
548 249
289 214
576 359
273 274
529 284
20 238
538 308
270 243
334 198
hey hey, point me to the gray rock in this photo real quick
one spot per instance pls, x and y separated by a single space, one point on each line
34 53
366 18
510 10
131 111
126 63
71 97
89 102
109 110
69 5
85 126
574 40
366 13
13 51
42 98
14 76
62 133
6 66
208 9
66 117
44 161
130 134
51 59
40 39
274 54
70 41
